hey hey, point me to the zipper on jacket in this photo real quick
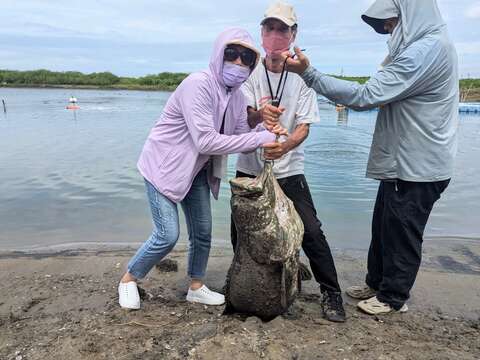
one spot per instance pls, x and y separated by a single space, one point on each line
222 126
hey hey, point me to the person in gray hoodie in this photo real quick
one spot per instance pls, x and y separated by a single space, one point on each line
414 143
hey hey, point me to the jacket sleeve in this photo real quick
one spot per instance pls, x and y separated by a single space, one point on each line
398 80
197 107
241 119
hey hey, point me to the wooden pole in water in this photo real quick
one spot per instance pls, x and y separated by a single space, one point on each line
4 106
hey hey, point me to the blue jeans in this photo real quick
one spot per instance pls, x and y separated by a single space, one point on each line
198 215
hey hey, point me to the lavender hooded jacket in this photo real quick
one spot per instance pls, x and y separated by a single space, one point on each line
187 132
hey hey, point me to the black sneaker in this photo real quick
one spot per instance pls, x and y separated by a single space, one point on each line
332 307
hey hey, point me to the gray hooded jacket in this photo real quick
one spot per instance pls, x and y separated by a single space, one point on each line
417 90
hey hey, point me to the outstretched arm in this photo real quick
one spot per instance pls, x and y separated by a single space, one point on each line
396 81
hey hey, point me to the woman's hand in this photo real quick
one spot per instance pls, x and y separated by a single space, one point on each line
276 150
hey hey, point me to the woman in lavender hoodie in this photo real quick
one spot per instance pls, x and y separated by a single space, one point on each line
204 119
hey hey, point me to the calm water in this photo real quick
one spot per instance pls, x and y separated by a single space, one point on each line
70 177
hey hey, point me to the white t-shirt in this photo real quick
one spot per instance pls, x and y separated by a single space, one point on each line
301 107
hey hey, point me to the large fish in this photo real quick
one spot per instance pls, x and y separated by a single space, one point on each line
263 278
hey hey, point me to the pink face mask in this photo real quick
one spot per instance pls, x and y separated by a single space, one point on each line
275 43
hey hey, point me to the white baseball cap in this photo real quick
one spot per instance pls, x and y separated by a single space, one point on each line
281 11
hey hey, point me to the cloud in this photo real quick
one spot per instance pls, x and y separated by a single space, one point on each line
468 48
473 12
148 36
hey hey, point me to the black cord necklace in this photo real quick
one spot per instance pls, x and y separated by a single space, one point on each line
276 100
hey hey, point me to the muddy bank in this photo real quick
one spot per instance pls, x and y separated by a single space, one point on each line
65 307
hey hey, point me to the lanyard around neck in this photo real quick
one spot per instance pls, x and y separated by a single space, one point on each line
275 99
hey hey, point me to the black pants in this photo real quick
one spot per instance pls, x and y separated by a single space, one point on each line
314 243
401 212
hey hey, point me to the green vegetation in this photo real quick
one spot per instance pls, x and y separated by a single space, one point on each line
359 79
464 83
166 81
469 88
470 84
45 78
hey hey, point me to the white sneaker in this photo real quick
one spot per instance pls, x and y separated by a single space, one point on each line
374 306
361 292
205 296
128 296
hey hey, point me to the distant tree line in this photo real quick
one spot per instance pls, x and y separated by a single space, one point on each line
464 83
46 77
470 83
161 81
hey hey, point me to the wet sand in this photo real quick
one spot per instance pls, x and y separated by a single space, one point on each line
64 306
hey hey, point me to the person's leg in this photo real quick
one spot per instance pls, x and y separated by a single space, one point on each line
164 235
198 215
375 252
161 242
314 242
316 247
233 229
407 209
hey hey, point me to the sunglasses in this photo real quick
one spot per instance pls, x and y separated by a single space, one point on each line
247 56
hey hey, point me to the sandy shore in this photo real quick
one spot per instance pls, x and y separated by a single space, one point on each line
64 306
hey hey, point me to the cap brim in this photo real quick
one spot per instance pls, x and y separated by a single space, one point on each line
248 46
284 20
377 24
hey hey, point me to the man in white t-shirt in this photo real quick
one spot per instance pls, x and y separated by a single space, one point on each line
274 95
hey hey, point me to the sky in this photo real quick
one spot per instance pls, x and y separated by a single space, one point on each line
139 37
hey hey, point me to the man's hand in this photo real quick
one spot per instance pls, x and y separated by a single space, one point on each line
298 65
271 115
276 150
279 130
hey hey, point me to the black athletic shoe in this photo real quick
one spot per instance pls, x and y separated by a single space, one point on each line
332 307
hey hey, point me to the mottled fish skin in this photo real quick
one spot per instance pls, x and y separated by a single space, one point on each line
262 279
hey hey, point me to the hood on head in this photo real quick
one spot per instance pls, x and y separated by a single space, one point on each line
418 18
230 36
378 13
